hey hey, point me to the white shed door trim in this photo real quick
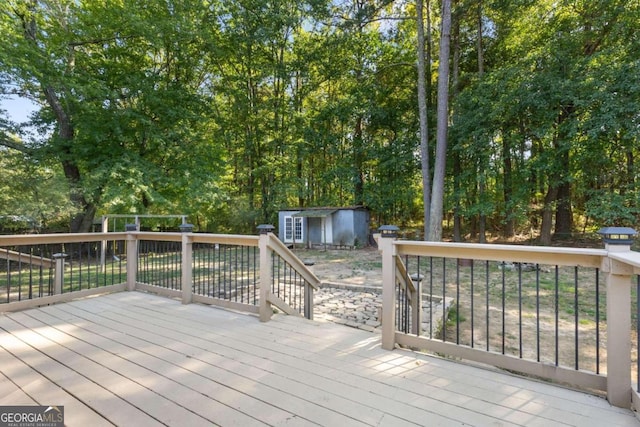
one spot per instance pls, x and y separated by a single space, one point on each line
293 229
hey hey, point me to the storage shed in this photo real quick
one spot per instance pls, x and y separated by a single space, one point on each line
325 226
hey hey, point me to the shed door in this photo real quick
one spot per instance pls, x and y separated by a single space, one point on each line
327 230
293 230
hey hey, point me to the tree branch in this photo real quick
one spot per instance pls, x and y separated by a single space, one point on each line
101 41
14 143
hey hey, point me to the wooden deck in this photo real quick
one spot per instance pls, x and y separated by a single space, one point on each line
133 359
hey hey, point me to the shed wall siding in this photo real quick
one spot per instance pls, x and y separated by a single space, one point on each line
345 227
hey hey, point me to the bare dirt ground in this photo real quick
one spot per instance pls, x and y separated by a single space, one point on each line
357 267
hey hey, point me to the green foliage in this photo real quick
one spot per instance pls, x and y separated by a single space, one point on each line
33 194
229 111
607 208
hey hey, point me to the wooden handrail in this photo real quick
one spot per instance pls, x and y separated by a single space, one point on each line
515 253
631 259
37 239
226 239
26 258
285 253
403 278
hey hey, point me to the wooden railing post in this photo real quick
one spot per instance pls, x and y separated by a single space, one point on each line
388 249
308 301
266 276
58 275
187 263
618 283
132 257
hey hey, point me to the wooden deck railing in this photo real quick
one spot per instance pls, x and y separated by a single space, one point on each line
27 259
567 319
250 273
540 311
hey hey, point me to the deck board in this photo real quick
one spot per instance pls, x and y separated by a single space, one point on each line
131 358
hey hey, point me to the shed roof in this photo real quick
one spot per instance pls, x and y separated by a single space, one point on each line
315 213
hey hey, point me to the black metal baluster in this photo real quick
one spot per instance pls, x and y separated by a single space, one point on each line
276 275
218 271
575 310
458 302
637 333
537 312
114 262
504 292
8 278
290 297
41 274
99 264
430 287
20 274
487 301
31 272
80 245
557 301
397 309
177 266
520 310
72 268
598 322
472 308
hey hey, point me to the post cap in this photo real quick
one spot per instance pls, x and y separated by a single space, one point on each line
388 231
186 228
617 235
265 228
131 227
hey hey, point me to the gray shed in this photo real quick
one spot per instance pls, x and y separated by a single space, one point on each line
325 226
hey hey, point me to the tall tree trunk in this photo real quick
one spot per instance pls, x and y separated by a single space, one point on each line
547 215
457 163
559 191
631 176
358 162
507 191
422 112
482 220
81 221
437 194
564 214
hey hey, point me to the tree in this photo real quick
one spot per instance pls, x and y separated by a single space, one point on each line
437 194
422 112
229 111
120 86
32 190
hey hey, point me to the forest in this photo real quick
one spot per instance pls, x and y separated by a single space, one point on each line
493 118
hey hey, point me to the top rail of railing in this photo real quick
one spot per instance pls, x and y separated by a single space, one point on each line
32 239
222 239
632 259
510 253
226 239
38 239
